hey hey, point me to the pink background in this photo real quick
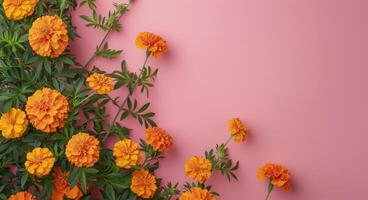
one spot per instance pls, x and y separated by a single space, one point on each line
294 71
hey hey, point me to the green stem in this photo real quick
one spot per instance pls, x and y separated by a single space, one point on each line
270 189
228 140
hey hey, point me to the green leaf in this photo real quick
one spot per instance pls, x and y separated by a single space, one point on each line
83 180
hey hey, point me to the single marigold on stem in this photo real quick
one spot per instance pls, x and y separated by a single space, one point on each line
13 124
143 183
62 187
158 138
47 109
197 193
48 36
126 153
39 161
100 83
22 196
198 168
82 150
237 129
151 43
19 9
277 175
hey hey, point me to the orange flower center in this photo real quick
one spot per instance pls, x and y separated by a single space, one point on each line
17 2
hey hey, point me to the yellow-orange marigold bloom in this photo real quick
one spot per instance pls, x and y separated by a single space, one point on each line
22 196
39 161
198 168
158 138
197 193
126 153
48 36
100 83
47 109
143 183
237 129
14 123
62 187
19 9
277 174
82 150
152 43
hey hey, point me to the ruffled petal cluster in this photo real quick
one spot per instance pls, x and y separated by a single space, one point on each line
152 43
48 36
126 153
197 193
62 188
100 83
158 138
39 161
198 168
47 109
13 124
19 9
83 150
22 196
237 129
143 183
277 174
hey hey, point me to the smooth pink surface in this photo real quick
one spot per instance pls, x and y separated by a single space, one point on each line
294 71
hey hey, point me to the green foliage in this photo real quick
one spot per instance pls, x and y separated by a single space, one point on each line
105 52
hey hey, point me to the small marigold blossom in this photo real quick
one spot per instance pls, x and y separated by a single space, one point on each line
62 187
158 138
143 183
22 196
48 36
237 129
151 43
198 168
19 9
82 150
277 174
100 83
126 153
39 161
197 193
47 109
13 124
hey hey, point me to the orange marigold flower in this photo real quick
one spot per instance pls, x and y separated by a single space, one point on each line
100 83
13 124
143 183
47 109
39 161
237 129
62 187
152 43
158 138
19 9
82 150
22 196
198 168
277 174
197 193
48 36
127 153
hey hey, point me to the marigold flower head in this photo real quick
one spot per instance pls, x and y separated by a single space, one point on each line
47 109
39 161
152 43
48 36
198 168
158 138
143 183
22 196
19 9
100 83
127 153
197 193
277 174
82 150
237 129
62 187
13 124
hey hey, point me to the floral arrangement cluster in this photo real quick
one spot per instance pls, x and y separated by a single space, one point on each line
53 115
